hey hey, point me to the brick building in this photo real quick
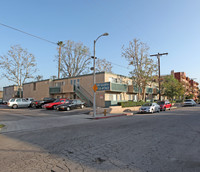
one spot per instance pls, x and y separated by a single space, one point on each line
191 86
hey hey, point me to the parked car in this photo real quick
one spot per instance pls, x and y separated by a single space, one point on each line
149 108
1 101
189 102
55 103
18 102
40 103
164 105
72 104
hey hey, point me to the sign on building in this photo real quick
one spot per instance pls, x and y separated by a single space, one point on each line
103 86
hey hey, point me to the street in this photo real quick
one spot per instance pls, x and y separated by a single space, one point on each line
160 142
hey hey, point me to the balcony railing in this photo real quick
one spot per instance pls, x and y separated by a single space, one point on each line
133 89
149 90
54 90
118 87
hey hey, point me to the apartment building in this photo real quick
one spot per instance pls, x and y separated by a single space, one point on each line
112 88
191 86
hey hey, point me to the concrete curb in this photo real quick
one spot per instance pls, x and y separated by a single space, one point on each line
110 116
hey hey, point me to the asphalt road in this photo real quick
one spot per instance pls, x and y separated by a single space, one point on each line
162 142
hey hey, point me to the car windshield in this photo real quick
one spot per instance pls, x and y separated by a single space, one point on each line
147 104
69 101
161 103
57 100
188 100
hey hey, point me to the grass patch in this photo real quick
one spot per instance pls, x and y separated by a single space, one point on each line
1 125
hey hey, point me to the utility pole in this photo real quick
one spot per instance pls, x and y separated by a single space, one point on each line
60 44
158 57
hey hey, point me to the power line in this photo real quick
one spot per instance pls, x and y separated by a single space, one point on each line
28 33
10 27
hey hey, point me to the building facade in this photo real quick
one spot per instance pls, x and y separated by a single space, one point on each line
10 92
191 86
112 89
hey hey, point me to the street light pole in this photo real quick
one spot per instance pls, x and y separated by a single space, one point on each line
94 76
60 44
158 57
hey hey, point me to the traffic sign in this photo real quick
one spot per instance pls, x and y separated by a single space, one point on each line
95 88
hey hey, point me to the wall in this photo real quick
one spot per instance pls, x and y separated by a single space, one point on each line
9 92
40 91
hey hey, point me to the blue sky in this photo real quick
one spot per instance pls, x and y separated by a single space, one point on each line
171 26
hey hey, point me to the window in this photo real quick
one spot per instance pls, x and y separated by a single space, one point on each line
34 86
62 101
114 97
24 100
18 100
129 82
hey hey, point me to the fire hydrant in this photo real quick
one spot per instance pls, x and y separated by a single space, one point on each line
104 112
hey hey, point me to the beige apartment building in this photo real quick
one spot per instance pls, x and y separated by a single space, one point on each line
112 88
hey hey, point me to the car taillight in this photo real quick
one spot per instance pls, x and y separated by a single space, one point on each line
36 103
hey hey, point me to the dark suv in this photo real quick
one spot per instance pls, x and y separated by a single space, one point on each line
164 105
40 103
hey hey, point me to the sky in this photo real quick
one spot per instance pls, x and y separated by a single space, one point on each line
171 26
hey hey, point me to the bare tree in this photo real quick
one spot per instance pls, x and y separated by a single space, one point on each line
143 67
39 78
102 65
18 65
75 59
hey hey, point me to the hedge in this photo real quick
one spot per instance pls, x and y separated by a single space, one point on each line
130 104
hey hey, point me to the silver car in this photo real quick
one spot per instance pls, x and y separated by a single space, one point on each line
18 102
189 102
149 108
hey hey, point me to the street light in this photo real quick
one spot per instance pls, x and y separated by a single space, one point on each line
158 57
60 44
94 76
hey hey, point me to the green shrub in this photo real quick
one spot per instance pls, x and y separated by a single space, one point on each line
131 104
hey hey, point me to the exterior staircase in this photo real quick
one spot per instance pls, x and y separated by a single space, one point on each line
84 95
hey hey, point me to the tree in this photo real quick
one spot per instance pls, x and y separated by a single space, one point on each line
75 59
39 78
143 67
18 65
172 87
102 65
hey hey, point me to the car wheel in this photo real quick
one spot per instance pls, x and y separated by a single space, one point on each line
33 106
151 110
82 106
54 107
164 108
68 108
14 106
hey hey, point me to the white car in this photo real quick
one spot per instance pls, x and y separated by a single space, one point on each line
189 102
149 108
18 102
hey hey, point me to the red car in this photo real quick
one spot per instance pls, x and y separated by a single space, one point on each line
55 103
164 105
